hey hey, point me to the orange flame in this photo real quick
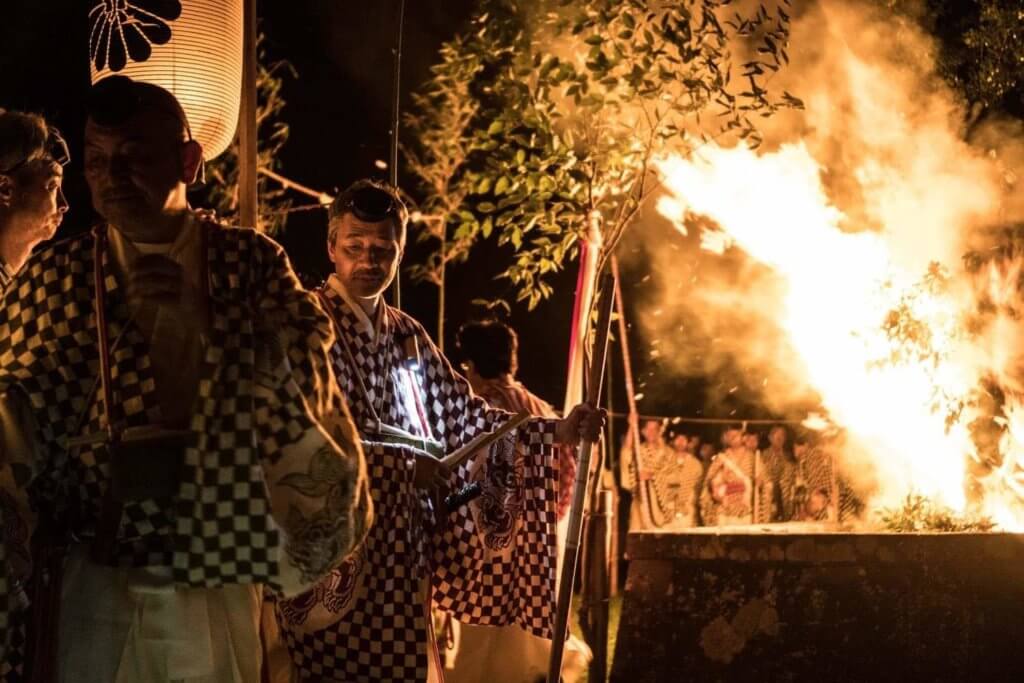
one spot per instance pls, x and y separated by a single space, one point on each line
883 343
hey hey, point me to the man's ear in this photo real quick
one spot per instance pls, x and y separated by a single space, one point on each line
6 191
191 162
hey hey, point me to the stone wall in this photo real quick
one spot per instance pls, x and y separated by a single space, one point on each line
788 603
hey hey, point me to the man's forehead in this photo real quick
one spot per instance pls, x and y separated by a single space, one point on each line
350 225
138 127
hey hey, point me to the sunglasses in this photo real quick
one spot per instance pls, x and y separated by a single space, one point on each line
370 204
55 149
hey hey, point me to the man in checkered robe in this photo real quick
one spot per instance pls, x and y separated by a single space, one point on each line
32 205
491 562
171 417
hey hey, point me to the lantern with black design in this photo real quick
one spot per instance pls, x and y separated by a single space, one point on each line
192 49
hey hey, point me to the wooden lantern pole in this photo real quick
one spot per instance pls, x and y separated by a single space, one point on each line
598 361
396 108
248 192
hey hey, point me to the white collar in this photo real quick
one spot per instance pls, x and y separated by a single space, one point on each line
371 327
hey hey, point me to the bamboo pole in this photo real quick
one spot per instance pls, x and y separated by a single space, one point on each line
572 545
248 190
598 582
633 433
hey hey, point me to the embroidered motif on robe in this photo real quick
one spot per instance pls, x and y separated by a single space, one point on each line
266 410
491 562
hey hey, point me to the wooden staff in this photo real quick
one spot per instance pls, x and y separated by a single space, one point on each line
598 361
644 504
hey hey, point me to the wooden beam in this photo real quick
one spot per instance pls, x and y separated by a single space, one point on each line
248 193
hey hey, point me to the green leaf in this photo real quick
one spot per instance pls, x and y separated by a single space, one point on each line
502 185
495 128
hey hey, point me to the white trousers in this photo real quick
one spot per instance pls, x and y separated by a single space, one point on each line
134 626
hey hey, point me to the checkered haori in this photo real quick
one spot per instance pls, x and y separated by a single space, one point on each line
492 562
267 409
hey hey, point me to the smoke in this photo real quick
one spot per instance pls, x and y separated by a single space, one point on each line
884 172
889 137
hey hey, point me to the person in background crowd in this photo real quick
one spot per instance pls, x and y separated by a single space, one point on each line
677 485
752 442
822 492
32 204
680 442
508 654
780 469
728 495
707 453
638 467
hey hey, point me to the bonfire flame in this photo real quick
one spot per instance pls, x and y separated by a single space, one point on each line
913 365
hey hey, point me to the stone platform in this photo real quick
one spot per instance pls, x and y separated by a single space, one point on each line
803 603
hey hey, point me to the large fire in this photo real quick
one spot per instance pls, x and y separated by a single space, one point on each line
893 347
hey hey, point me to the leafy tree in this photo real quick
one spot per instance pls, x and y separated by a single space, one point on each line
221 190
979 45
441 125
578 98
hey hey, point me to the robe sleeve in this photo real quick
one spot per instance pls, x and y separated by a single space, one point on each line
312 459
23 358
20 461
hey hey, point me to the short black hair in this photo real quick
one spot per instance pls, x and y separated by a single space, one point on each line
371 201
116 99
492 346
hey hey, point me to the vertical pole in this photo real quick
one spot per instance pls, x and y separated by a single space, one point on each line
633 433
573 537
248 193
598 584
396 86
612 451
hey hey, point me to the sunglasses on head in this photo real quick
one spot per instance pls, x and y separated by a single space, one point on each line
55 149
371 204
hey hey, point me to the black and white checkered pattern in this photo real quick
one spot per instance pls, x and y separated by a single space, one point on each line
12 663
219 529
381 634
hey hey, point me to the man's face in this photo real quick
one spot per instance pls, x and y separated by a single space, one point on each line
365 255
652 431
138 169
750 441
36 203
778 438
680 443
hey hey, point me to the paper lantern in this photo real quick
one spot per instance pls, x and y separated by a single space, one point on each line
193 48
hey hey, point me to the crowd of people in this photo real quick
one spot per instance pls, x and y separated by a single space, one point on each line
210 474
677 480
